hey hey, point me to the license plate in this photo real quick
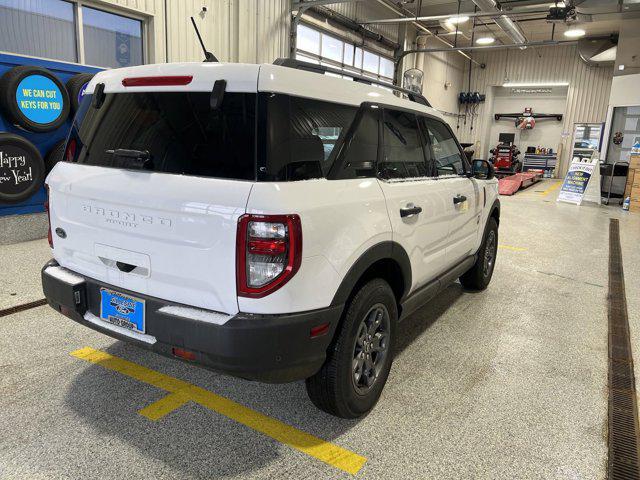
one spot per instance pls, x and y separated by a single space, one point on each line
122 310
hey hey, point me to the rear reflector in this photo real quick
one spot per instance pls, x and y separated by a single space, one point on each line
267 247
184 354
157 81
319 330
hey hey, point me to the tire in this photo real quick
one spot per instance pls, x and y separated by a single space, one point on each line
22 170
336 388
75 85
10 84
54 156
479 276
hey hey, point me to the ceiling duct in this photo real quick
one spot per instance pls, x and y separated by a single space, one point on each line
509 27
598 51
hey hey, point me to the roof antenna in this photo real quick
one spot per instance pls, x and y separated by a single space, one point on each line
208 56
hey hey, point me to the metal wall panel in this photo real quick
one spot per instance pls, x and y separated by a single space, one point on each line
587 98
252 31
443 78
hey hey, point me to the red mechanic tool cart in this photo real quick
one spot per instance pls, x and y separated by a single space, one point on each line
505 156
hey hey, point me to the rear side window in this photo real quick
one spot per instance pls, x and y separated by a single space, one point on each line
446 153
301 136
360 154
170 132
403 156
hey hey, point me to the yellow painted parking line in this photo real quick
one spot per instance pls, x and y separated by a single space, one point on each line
181 392
164 406
553 187
514 249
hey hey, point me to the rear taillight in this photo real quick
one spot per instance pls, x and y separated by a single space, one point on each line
70 151
46 208
268 253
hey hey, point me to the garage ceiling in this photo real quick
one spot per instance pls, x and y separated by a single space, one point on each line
596 17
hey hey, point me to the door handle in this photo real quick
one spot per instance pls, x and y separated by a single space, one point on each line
459 199
410 210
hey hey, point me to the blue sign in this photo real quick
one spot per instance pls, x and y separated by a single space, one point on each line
39 99
123 49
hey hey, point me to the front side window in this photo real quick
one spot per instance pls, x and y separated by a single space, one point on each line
446 153
169 132
111 40
301 136
403 156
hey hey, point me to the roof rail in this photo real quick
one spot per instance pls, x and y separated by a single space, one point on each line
312 67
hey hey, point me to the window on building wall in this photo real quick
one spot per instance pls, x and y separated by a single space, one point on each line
111 40
48 29
39 28
318 47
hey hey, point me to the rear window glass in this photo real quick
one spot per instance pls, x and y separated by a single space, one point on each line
171 132
301 136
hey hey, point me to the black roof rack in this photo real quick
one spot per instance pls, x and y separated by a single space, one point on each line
312 67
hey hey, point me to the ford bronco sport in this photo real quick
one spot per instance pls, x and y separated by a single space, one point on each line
264 221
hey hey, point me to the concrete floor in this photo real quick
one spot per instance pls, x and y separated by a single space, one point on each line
507 383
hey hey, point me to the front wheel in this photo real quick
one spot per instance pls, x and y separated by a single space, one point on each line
479 276
359 359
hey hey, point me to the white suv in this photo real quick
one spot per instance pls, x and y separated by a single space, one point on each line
264 221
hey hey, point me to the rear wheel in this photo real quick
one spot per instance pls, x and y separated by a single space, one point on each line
479 276
359 359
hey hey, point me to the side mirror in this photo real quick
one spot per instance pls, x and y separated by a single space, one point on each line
482 170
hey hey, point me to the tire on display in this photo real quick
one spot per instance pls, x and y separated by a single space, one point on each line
54 155
479 276
12 91
358 361
75 87
22 169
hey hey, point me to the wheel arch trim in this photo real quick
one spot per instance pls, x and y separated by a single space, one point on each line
387 250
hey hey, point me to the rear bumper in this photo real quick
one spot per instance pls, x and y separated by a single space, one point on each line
268 348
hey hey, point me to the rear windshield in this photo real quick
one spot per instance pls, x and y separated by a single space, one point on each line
176 132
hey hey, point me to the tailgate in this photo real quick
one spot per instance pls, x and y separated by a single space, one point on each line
167 236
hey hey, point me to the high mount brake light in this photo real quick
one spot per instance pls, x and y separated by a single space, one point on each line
168 80
268 253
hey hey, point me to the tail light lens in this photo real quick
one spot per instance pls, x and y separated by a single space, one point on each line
70 152
268 253
46 208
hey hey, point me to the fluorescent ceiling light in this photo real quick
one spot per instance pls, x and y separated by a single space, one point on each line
460 19
548 84
559 5
574 33
485 40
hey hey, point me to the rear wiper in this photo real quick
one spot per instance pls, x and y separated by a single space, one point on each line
131 158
